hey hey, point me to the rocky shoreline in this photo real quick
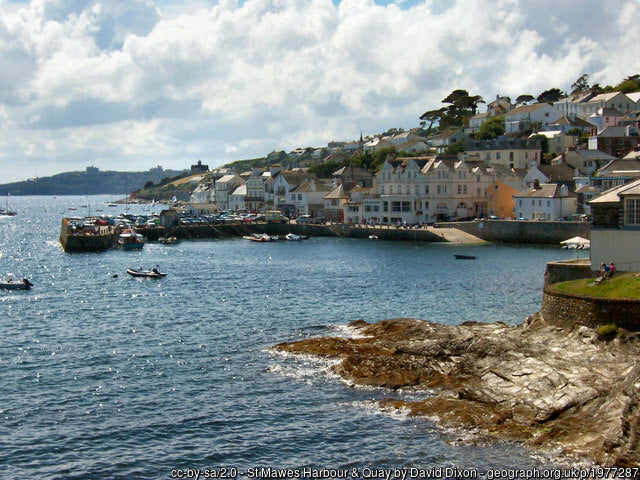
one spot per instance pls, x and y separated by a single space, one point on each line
535 383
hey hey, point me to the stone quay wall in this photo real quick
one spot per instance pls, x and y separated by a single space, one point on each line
523 231
569 310
83 243
332 230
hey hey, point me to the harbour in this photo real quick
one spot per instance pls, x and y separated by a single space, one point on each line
105 377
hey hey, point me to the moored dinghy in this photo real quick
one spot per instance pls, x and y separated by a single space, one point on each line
140 273
11 283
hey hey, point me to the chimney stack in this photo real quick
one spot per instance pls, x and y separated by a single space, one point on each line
536 184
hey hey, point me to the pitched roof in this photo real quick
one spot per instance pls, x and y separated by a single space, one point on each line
522 109
613 131
573 122
314 185
620 164
546 190
558 173
613 194
241 190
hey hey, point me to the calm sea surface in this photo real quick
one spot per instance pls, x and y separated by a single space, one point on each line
104 377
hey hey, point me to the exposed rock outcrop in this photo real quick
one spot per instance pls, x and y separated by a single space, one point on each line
535 383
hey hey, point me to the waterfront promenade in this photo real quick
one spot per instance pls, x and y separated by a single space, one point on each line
501 231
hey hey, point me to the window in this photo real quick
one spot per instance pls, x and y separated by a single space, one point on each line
478 192
437 188
632 211
533 203
385 206
426 189
464 189
426 205
395 206
520 204
497 155
408 190
390 189
293 196
459 189
417 189
382 189
548 203
300 197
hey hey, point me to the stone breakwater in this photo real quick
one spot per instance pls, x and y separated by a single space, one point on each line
535 383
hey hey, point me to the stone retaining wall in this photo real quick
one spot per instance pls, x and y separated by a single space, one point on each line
522 231
569 310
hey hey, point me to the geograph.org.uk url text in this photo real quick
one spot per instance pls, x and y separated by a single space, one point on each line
371 473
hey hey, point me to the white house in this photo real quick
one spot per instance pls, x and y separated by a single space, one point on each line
224 187
236 198
521 117
307 198
443 140
202 193
546 201
255 199
615 231
284 183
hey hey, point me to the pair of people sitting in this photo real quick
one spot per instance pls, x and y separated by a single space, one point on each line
607 270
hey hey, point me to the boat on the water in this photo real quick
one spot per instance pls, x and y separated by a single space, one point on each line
294 237
373 237
464 257
11 283
258 237
140 273
130 240
168 240
6 212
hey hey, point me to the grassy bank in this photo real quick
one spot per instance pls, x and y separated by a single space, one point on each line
621 285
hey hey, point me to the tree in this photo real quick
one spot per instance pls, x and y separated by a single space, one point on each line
525 99
432 116
629 84
544 142
491 128
456 148
551 95
461 106
581 84
148 184
324 170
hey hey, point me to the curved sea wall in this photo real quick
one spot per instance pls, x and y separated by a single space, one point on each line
568 310
523 231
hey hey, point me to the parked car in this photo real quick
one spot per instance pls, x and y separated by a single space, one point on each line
304 219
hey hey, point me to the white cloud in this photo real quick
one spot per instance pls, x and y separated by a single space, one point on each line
133 83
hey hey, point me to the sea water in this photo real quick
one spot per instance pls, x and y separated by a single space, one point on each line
107 376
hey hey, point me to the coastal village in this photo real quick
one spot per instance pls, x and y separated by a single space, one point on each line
550 162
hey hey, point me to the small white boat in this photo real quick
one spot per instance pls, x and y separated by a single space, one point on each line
11 283
140 273
373 237
258 237
294 237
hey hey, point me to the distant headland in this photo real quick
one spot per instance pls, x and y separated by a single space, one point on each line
92 181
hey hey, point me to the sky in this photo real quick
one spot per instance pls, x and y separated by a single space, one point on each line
132 84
